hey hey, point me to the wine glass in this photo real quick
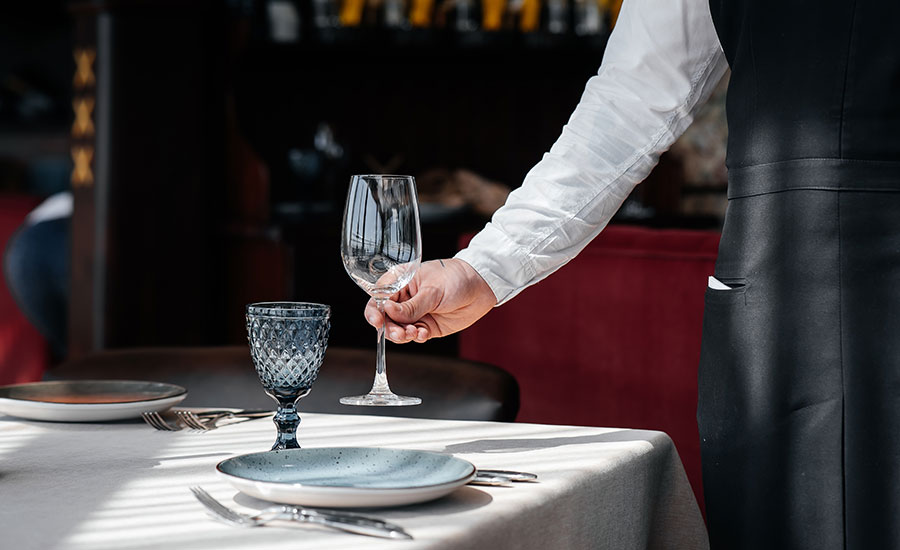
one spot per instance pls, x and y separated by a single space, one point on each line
381 246
287 345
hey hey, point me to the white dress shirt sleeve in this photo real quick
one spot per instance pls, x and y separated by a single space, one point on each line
661 63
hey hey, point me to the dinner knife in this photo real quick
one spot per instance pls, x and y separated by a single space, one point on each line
500 478
352 523
509 474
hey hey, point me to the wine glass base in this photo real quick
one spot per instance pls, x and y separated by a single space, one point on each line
381 400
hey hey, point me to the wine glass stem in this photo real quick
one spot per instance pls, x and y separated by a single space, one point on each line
381 382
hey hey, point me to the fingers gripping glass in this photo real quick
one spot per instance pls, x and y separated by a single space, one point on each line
381 246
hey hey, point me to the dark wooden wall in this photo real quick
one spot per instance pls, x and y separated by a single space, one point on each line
193 210
147 264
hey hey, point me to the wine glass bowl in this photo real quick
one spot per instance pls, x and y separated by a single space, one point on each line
381 247
287 345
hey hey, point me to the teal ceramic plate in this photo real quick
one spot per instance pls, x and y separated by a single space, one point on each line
347 477
87 400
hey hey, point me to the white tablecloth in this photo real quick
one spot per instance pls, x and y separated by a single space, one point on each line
122 485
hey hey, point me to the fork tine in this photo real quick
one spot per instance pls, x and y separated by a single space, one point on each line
220 510
205 426
192 421
162 421
185 421
149 420
154 419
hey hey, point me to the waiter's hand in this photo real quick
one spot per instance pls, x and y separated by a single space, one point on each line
444 297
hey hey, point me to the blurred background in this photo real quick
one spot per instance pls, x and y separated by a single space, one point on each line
197 152
163 163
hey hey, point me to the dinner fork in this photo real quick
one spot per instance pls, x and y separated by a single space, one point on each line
351 523
206 421
157 421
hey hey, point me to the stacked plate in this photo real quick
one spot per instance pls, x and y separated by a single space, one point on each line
87 400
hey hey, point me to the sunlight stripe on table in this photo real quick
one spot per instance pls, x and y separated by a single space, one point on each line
12 440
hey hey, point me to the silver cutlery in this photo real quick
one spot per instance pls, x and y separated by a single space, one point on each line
156 420
200 421
207 420
501 478
351 523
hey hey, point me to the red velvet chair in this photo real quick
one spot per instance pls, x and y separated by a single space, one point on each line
612 338
24 354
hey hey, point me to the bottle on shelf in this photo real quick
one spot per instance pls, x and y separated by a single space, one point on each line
394 14
466 18
421 12
611 7
492 14
529 15
325 14
284 21
589 17
351 13
557 16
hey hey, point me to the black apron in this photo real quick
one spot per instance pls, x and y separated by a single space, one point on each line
799 410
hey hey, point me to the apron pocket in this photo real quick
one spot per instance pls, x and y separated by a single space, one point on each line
736 293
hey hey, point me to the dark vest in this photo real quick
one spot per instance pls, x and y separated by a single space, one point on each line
811 79
799 411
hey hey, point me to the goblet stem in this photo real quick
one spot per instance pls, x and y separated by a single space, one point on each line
381 383
286 420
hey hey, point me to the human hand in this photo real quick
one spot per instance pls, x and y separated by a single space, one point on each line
445 296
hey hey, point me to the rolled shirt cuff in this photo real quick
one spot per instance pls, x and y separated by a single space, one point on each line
500 262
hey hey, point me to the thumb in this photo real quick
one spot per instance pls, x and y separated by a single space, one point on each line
412 310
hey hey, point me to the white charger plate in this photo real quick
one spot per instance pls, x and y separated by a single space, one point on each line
347 477
87 400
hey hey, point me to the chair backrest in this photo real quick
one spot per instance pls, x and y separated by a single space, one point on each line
450 388
24 354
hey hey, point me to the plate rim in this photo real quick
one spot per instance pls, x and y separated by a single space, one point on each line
331 489
181 391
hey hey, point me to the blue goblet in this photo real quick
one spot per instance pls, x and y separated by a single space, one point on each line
287 344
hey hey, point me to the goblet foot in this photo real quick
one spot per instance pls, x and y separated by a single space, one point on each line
287 443
381 400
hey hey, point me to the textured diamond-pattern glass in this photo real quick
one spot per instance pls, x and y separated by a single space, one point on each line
287 345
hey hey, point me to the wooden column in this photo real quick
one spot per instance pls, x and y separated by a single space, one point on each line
148 148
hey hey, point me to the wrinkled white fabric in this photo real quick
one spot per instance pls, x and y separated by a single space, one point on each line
661 64
124 486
